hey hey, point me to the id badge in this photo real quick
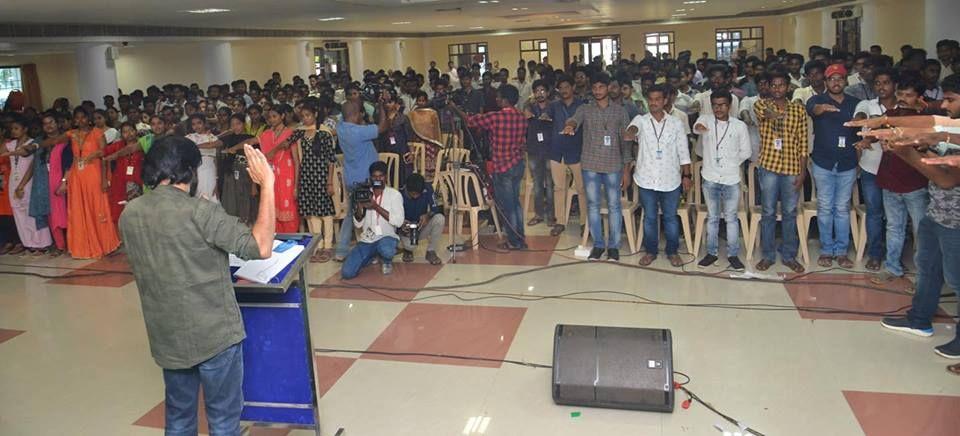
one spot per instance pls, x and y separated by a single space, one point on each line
48 167
377 231
393 141
778 144
539 136
842 142
236 174
129 170
607 141
659 154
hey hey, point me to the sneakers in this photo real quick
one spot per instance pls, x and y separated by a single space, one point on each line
736 264
707 260
903 325
386 268
613 255
595 254
950 350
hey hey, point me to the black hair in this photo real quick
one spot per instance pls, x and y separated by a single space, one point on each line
173 158
814 65
239 117
540 83
600 78
415 183
198 116
779 74
380 166
912 81
889 72
933 62
951 84
723 93
659 87
509 93
725 70
564 78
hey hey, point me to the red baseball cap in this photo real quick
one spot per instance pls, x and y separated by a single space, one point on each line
836 69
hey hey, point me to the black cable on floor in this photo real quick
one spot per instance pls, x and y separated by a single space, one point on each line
437 355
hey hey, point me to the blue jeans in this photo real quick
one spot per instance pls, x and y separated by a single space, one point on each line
542 186
776 187
364 252
873 198
897 208
346 227
938 255
222 379
506 193
834 190
723 201
666 203
610 182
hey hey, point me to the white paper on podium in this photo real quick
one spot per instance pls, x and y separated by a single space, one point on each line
261 271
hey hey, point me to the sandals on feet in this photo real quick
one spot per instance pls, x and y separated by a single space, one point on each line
534 221
873 264
844 262
954 369
433 258
557 230
648 259
764 265
825 261
794 266
407 256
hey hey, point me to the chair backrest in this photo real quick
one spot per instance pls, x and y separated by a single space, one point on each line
752 187
696 167
419 152
451 140
448 155
461 188
393 168
340 194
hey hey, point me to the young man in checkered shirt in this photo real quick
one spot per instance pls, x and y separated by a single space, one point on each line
507 129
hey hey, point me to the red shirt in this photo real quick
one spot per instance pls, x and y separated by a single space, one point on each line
894 174
507 129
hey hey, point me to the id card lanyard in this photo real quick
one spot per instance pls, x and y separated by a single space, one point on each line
716 128
658 135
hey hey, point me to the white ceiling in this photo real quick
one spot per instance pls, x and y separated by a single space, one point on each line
375 15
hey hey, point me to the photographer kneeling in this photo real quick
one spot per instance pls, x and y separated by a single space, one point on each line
378 211
422 218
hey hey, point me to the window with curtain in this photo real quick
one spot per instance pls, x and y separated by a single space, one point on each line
659 43
10 80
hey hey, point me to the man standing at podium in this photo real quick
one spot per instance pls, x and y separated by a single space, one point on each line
177 246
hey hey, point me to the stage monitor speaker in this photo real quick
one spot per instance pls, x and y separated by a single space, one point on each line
613 367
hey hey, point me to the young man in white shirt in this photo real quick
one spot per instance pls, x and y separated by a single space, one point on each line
748 116
524 86
870 155
726 144
378 219
719 76
663 165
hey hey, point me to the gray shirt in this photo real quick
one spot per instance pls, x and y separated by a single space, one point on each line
944 205
604 150
177 247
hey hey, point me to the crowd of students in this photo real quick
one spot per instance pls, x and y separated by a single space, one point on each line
68 172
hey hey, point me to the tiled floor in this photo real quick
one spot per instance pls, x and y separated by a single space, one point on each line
74 357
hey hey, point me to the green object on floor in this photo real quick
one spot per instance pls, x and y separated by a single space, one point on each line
574 414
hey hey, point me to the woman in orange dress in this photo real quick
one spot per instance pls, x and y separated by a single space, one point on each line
275 142
91 233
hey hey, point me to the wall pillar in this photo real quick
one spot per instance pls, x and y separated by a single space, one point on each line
96 72
217 63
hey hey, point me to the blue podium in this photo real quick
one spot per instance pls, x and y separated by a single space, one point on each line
279 371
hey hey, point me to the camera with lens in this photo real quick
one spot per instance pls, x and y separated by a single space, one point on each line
411 231
363 192
371 92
